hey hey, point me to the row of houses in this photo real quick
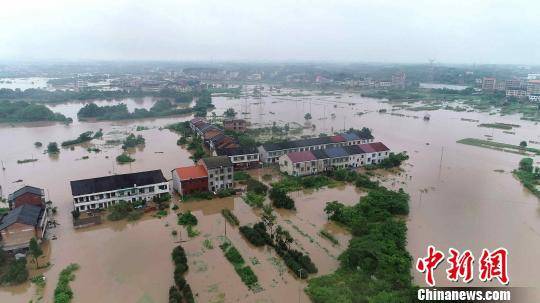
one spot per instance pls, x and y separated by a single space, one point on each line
270 152
220 144
27 219
309 162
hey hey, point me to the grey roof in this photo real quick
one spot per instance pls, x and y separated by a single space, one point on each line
320 154
115 182
243 150
297 143
26 189
336 152
216 162
353 149
25 214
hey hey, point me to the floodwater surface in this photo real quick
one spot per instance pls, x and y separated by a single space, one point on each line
457 200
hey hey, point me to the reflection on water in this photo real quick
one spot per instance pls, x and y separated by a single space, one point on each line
457 200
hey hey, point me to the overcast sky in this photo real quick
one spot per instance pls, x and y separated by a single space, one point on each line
472 31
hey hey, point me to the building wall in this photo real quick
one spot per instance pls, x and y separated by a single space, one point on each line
106 199
220 178
28 198
193 185
299 168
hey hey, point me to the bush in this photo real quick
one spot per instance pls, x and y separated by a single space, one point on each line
16 273
253 199
174 295
252 235
187 219
280 199
230 217
226 192
526 164
256 187
63 292
247 275
234 256
124 158
241 176
188 294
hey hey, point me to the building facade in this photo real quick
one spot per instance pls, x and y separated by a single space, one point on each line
237 125
190 179
270 152
102 192
27 195
220 172
318 161
22 224
241 157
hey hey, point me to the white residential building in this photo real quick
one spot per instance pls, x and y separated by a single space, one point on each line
102 192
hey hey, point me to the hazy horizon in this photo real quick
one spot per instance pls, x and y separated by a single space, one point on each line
408 32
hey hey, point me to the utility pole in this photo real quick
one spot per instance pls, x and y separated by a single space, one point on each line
300 285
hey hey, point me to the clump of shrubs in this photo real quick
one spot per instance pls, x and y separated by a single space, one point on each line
181 291
280 199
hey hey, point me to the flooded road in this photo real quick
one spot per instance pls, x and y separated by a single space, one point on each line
459 201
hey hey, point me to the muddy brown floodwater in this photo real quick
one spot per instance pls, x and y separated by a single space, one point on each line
459 201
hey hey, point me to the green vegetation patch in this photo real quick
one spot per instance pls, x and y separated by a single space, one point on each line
498 146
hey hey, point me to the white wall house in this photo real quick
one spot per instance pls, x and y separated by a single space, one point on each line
102 192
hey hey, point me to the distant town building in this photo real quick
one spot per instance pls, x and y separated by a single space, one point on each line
220 172
190 179
534 98
533 77
27 195
398 80
518 93
22 224
237 125
488 84
533 87
513 84
102 192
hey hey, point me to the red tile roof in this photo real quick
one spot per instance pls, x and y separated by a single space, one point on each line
373 147
379 146
337 138
302 156
191 172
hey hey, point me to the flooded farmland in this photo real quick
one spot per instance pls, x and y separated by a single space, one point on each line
458 199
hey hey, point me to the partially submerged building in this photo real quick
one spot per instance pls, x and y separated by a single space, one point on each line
220 172
27 195
22 224
309 162
190 179
102 192
241 157
270 152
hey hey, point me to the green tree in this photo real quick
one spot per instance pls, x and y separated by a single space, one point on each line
523 144
35 251
307 116
52 148
229 113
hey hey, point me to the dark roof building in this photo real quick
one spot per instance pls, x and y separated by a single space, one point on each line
353 149
25 214
216 162
320 154
336 152
116 182
235 151
26 195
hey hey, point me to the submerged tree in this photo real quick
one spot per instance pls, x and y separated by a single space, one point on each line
229 113
307 116
35 251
